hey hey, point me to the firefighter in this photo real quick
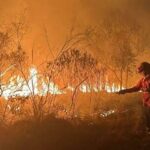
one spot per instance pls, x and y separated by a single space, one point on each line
144 86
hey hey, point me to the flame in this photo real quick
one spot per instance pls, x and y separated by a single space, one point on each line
18 86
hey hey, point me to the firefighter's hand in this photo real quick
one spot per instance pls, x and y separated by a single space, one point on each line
122 92
148 90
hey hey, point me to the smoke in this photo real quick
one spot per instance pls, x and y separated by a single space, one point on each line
58 16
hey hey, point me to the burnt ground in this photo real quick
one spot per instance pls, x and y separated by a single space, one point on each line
57 134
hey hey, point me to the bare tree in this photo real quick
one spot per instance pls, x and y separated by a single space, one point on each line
118 40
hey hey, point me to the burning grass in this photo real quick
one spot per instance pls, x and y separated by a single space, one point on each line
85 105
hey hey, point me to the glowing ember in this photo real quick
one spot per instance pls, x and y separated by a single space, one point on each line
107 113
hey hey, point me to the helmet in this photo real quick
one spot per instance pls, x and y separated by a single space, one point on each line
144 67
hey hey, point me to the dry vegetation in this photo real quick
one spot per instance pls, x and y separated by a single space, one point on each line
74 120
88 129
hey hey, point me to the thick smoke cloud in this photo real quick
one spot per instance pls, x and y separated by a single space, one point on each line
59 15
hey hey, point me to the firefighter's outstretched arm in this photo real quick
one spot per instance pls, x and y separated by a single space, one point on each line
130 90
